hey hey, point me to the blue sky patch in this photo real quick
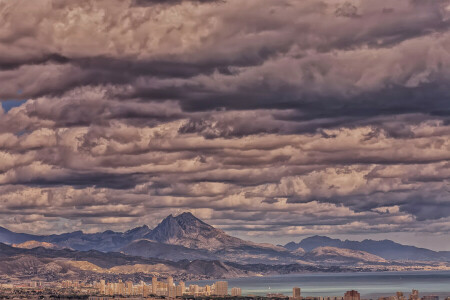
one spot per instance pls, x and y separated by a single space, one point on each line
9 104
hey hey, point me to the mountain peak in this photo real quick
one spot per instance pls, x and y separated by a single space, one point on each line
188 219
179 227
186 215
187 230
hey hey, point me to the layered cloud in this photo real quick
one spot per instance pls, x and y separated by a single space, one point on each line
283 118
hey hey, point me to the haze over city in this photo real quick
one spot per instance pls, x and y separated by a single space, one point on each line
272 120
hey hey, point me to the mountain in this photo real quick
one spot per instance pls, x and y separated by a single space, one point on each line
103 241
386 249
149 248
337 256
106 241
188 231
186 237
9 237
53 265
175 238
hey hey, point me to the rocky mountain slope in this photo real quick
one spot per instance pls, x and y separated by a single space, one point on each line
149 248
338 256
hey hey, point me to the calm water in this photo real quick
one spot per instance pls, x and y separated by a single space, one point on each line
372 284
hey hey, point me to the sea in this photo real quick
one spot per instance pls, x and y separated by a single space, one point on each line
370 285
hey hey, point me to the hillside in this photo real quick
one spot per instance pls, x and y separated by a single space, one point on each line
336 256
35 244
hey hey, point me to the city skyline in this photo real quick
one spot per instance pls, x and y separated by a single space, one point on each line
166 288
272 121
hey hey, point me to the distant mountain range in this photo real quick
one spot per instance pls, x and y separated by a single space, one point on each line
386 249
175 238
57 264
184 244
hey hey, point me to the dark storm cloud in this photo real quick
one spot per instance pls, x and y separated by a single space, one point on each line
9 64
284 118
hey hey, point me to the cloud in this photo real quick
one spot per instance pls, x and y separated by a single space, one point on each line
292 117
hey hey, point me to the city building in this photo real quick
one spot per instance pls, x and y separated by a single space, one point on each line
221 288
129 288
180 290
352 295
170 281
236 292
102 288
154 285
296 293
172 291
182 286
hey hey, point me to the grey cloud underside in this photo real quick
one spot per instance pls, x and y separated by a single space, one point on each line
286 118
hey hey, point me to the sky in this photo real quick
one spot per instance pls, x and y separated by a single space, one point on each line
273 120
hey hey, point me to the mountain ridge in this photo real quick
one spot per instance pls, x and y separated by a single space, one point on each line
186 236
386 249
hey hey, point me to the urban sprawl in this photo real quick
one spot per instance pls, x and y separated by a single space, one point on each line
165 289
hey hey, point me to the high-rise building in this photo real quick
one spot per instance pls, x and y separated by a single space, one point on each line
296 293
172 291
169 281
102 287
120 288
221 288
129 288
352 295
180 290
154 285
236 292
182 287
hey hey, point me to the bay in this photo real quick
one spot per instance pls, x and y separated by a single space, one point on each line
370 285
